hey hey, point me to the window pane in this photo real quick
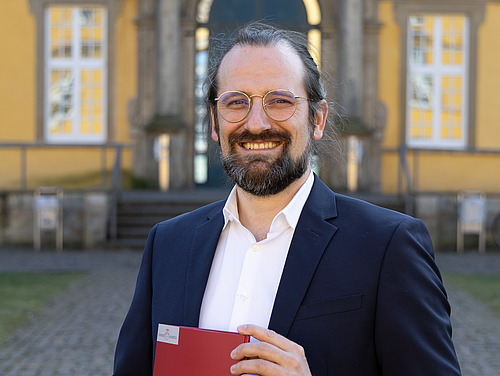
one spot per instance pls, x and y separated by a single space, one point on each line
91 32
200 139
421 91
421 29
451 107
200 168
91 102
421 107
60 33
452 40
61 101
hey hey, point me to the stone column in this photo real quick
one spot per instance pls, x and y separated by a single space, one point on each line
374 113
332 168
350 64
188 97
349 79
169 38
171 95
143 108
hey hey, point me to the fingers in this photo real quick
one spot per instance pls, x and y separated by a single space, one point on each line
274 355
270 336
256 367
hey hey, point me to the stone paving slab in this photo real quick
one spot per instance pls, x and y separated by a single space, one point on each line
75 334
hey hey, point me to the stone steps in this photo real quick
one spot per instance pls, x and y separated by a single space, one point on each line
139 211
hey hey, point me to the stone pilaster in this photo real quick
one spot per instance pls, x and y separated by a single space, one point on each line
350 64
143 108
373 114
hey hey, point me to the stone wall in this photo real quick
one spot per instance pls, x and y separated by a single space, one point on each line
84 220
439 212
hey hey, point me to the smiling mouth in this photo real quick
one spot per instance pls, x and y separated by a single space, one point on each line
260 145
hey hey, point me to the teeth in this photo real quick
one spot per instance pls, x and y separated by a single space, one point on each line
260 145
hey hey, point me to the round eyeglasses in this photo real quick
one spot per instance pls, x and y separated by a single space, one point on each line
279 105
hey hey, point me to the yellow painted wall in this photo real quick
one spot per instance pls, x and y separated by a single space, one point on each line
390 178
389 73
17 71
126 67
18 101
442 172
389 93
455 172
488 97
59 166
10 169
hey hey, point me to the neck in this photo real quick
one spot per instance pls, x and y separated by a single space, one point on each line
256 213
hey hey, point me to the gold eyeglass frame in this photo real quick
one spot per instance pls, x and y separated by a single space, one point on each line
250 100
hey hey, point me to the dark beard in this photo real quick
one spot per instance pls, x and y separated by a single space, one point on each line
260 175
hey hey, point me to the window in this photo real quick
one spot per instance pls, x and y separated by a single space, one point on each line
75 74
436 114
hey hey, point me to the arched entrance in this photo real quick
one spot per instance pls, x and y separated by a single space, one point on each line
219 17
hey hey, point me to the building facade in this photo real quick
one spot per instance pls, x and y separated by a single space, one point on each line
92 87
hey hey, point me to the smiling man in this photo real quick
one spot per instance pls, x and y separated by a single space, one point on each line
324 284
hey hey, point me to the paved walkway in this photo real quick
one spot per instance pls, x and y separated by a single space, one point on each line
476 330
76 333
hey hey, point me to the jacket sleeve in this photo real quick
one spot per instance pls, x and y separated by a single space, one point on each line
134 349
413 328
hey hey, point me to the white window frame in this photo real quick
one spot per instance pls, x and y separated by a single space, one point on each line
436 70
75 64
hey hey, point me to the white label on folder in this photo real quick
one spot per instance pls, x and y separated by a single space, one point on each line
168 334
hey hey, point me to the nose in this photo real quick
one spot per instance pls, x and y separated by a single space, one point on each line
257 119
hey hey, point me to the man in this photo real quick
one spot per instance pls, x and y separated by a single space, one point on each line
325 284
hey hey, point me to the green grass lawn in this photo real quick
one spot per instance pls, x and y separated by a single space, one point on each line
23 294
485 288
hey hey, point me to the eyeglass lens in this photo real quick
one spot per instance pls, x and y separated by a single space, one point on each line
278 104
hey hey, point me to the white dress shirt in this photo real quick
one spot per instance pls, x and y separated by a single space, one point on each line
245 274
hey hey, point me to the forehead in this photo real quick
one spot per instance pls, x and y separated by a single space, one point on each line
257 69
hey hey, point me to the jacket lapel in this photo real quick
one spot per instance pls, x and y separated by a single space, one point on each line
311 237
205 239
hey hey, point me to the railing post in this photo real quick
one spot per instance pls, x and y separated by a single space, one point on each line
103 166
116 187
24 183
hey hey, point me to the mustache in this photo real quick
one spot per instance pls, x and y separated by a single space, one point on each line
267 135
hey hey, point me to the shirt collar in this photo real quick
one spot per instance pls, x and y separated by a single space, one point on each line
291 212
294 208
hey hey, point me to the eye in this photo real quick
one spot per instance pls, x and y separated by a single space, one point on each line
237 102
283 100
280 99
234 100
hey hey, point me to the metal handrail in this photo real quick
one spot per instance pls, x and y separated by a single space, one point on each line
24 147
116 187
116 178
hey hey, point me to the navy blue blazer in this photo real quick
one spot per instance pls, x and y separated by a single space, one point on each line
360 290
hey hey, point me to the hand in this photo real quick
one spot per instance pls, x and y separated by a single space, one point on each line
275 355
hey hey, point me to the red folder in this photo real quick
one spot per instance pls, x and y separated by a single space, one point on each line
184 351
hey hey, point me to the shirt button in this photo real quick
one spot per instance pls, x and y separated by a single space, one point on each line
244 296
256 248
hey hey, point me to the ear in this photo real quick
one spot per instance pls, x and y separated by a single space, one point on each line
320 120
215 135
